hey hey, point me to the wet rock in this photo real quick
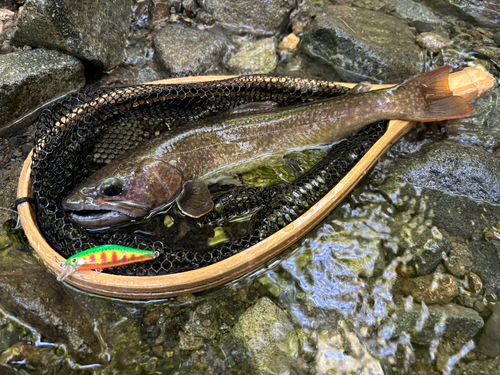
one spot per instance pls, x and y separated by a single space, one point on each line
419 322
363 45
201 324
183 50
255 56
147 75
459 261
488 367
489 341
414 11
29 79
432 41
482 13
266 332
473 284
159 10
188 342
431 288
427 246
94 30
254 17
7 23
459 185
486 263
420 26
48 306
344 354
38 358
482 128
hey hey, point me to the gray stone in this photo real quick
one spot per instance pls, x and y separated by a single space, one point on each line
483 13
7 24
419 324
486 263
183 50
414 11
488 367
147 75
431 288
459 261
256 56
426 245
249 16
30 79
91 30
459 185
482 128
266 332
363 45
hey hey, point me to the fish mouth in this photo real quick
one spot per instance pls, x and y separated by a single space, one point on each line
99 219
94 215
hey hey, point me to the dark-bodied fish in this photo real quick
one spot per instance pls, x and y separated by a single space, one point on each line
177 167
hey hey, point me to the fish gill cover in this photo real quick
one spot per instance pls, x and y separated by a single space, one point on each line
87 130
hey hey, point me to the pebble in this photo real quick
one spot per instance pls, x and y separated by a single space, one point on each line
432 41
158 351
420 26
473 283
459 261
151 318
289 42
431 289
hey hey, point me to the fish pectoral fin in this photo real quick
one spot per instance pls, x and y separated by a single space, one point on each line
254 107
196 200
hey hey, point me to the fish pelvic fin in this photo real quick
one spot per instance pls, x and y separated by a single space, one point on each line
432 99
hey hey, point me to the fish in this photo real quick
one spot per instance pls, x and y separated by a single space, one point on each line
104 256
178 167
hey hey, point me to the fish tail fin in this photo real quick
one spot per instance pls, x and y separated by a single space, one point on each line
431 98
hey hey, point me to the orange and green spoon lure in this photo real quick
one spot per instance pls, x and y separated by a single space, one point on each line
104 256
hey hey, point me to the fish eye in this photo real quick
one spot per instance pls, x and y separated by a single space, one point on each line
112 187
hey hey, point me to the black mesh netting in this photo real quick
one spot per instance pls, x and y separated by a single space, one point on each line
87 130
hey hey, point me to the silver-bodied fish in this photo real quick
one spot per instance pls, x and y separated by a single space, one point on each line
178 167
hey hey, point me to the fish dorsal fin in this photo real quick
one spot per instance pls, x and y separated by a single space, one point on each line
254 107
360 87
196 199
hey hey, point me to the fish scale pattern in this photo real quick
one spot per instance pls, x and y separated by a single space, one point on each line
87 130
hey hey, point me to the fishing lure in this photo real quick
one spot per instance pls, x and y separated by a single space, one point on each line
104 256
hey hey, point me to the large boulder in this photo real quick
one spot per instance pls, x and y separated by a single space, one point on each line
363 45
183 50
91 30
29 79
255 17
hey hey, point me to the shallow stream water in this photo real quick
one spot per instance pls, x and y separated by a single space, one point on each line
334 303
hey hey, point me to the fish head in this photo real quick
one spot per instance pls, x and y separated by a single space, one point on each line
123 192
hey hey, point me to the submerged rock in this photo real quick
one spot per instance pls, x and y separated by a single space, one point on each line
459 185
486 263
488 367
419 322
93 30
482 128
363 45
489 341
30 79
459 261
249 16
431 288
183 50
268 335
41 359
344 354
255 56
